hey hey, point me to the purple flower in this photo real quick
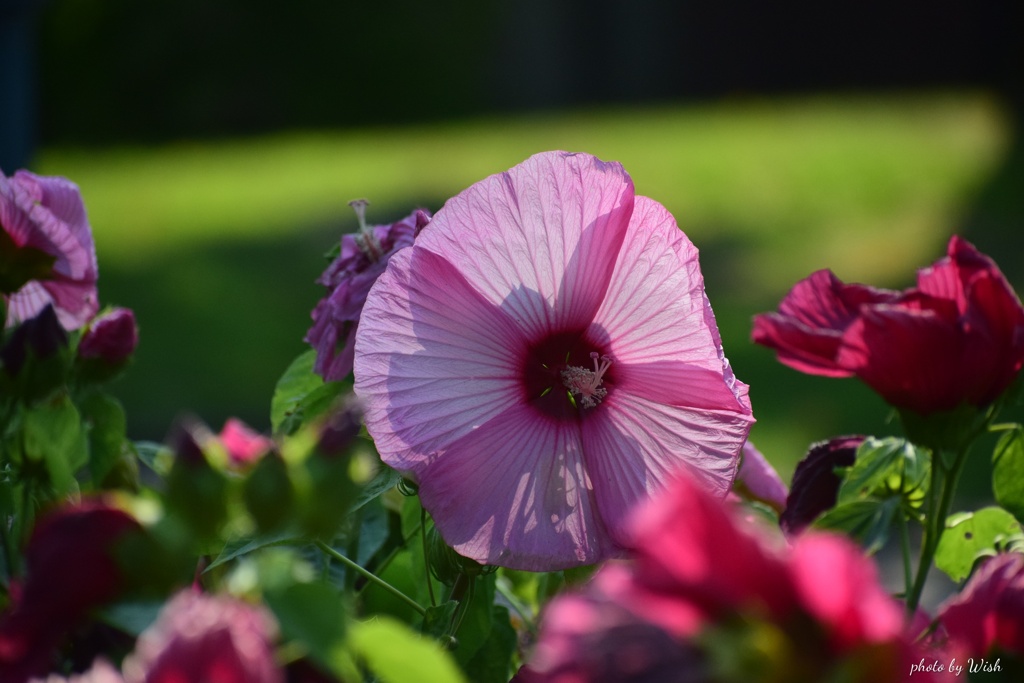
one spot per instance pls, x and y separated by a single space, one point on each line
200 637
815 482
362 259
111 337
46 247
543 357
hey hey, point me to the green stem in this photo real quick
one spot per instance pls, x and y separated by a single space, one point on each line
905 548
935 522
370 576
516 604
426 556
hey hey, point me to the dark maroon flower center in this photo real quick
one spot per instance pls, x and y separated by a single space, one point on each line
566 374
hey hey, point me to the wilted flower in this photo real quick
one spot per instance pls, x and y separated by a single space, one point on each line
541 358
348 279
957 338
815 486
71 568
724 607
988 615
110 337
200 637
47 254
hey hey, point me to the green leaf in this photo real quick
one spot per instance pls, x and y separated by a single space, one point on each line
385 480
156 456
301 394
492 662
476 624
398 655
243 546
880 467
970 536
132 617
1008 472
53 435
312 613
867 521
107 425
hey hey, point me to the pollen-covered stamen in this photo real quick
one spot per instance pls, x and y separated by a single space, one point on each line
365 239
585 384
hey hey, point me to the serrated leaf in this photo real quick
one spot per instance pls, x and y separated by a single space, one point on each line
970 536
1008 472
866 521
398 655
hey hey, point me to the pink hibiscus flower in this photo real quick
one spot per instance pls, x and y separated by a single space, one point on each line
988 615
957 338
542 358
47 254
348 279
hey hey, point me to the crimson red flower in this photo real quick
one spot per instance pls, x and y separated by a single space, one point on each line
71 569
956 338
988 615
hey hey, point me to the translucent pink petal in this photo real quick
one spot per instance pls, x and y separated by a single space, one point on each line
760 480
516 497
634 446
540 239
434 360
657 319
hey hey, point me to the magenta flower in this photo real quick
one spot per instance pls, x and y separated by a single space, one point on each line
47 254
957 338
543 357
200 637
110 337
988 615
348 279
698 575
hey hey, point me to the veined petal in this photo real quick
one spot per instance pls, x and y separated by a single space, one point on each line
634 446
515 497
434 360
540 239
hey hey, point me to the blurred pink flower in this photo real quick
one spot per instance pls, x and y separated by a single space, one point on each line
348 279
102 671
200 637
988 615
542 358
698 575
71 569
110 337
46 246
956 338
243 443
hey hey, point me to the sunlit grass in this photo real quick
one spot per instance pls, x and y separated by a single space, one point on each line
216 244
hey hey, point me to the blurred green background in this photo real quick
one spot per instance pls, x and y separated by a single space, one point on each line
217 245
217 144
